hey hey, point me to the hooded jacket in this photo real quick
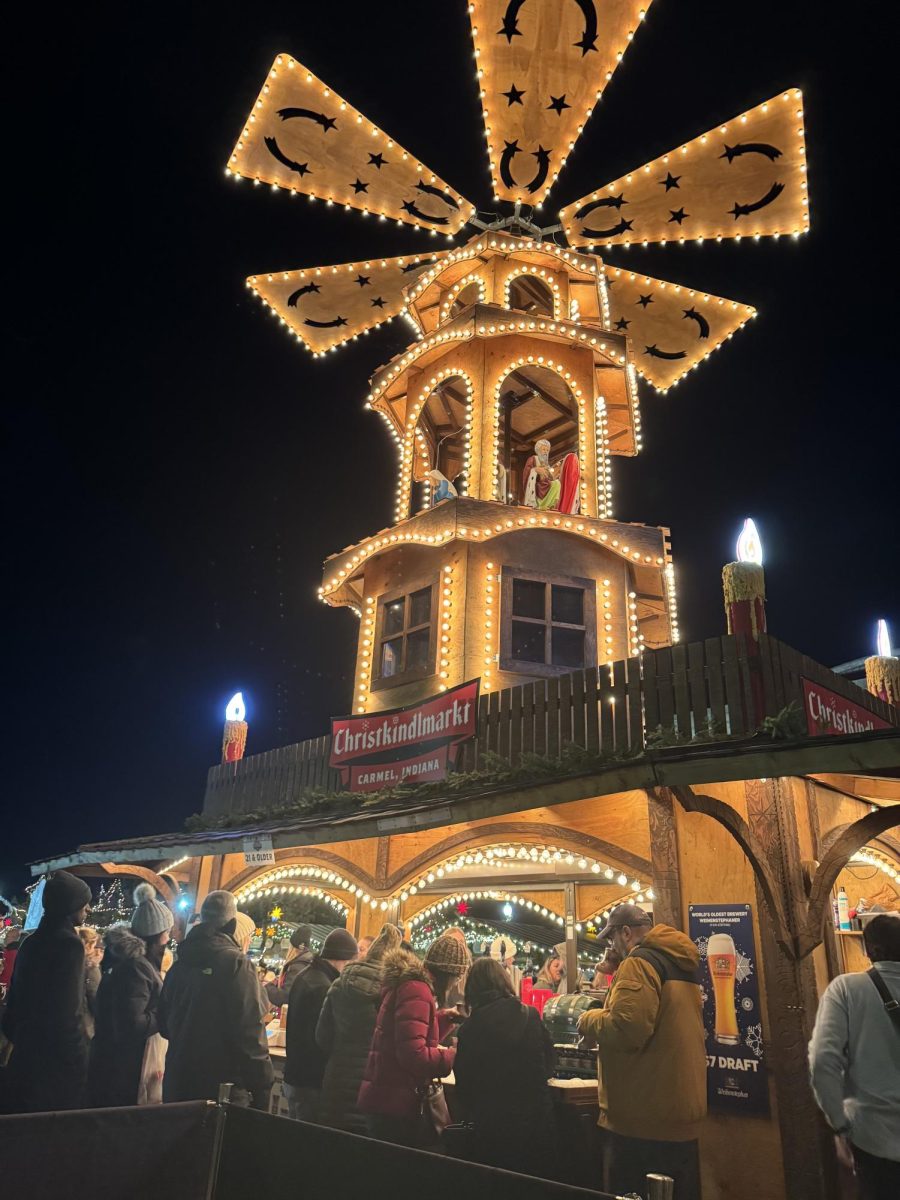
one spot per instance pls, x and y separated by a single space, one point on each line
344 1035
651 1040
44 1019
503 1061
211 1010
126 1015
406 1053
304 1062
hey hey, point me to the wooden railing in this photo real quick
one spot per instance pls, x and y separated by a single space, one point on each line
720 686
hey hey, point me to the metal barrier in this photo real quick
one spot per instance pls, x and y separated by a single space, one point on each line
205 1151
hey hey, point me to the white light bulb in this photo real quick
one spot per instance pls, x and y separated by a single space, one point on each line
749 545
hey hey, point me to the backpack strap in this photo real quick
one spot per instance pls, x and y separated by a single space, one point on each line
891 1006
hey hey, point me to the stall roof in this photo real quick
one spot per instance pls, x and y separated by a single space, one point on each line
866 754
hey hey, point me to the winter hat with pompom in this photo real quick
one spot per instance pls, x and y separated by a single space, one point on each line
150 916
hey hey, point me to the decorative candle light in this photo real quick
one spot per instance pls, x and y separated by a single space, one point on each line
234 738
883 668
744 584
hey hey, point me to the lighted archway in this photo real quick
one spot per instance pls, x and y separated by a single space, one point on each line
534 291
441 413
537 398
301 878
471 289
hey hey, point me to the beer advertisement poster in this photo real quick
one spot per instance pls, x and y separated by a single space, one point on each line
735 1065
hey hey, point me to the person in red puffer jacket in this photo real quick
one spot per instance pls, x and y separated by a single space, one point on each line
405 1056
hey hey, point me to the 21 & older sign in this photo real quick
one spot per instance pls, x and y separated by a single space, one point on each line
403 745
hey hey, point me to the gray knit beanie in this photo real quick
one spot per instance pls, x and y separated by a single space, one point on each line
218 909
150 915
339 946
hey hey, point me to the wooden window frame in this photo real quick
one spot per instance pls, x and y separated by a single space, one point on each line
408 590
518 666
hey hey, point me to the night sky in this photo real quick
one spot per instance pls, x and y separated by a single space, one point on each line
177 467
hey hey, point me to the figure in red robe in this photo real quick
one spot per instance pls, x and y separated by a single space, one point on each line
551 489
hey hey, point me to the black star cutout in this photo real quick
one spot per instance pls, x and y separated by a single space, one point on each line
558 103
378 302
514 95
542 155
670 181
359 186
622 323
313 287
510 28
377 160
363 280
301 169
586 43
643 301
678 214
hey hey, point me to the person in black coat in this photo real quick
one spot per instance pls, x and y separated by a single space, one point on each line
44 1016
304 1065
344 1032
125 1017
211 1010
504 1058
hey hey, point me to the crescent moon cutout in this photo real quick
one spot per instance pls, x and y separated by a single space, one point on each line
410 207
606 202
510 27
733 152
419 266
303 291
433 191
691 314
326 324
655 352
308 114
622 227
275 150
741 210
509 153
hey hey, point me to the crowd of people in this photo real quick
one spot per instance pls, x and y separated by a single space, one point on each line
372 1029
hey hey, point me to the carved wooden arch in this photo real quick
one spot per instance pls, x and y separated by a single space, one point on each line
852 838
571 839
165 889
886 844
305 857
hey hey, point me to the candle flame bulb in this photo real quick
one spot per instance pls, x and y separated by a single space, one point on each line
236 710
883 641
749 545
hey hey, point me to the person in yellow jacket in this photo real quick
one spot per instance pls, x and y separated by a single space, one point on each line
652 1056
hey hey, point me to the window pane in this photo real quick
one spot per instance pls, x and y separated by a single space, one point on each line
528 641
417 650
528 599
568 647
568 605
420 607
390 656
393 616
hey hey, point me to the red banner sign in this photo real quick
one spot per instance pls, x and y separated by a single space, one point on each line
829 713
403 745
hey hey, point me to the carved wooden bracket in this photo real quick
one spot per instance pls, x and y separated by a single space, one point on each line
853 838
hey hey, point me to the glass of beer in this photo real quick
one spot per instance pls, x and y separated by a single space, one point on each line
722 961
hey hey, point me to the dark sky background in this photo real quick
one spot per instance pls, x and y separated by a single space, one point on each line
177 468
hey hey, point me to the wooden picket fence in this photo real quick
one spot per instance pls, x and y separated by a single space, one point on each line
722 685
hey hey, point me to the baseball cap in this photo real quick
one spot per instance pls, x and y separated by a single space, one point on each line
624 914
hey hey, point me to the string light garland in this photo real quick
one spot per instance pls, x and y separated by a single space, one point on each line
491 588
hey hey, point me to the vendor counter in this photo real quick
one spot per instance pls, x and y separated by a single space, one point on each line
575 1110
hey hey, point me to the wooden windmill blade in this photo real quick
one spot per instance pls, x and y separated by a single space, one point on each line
542 66
302 136
745 178
672 328
327 306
